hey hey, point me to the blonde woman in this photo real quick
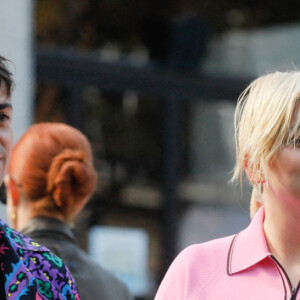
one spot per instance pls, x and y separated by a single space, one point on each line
262 261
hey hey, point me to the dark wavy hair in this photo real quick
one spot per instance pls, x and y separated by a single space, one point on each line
5 76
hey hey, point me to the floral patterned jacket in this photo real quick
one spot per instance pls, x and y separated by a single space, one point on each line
30 271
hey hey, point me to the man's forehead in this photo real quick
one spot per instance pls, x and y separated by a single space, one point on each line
4 98
4 94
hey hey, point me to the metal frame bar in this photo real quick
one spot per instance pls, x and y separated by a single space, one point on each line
75 70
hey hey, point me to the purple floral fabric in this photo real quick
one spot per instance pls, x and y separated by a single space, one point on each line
30 271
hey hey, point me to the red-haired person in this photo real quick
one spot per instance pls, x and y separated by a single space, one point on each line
51 177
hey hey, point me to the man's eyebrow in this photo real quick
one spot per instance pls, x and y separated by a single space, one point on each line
5 105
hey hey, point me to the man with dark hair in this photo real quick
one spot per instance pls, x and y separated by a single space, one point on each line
27 270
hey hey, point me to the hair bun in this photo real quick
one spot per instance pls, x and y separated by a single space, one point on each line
71 178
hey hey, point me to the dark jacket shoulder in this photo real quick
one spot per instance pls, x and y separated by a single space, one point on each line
92 279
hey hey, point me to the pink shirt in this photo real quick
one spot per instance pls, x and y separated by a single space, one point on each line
238 267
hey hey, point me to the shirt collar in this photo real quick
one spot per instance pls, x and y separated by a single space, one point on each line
248 247
45 226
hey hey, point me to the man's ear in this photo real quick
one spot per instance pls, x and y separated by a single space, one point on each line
12 189
254 176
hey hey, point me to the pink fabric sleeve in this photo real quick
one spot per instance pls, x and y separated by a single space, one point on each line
173 284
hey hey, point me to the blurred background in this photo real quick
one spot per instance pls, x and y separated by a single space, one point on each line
153 84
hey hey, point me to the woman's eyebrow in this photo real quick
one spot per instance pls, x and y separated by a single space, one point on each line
294 132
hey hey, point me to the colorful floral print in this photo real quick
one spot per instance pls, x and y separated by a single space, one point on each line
30 271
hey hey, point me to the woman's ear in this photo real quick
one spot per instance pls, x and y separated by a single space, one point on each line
12 189
254 176
247 171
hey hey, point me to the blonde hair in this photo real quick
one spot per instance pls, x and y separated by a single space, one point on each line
255 202
263 121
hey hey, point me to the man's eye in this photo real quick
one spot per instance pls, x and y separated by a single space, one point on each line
4 117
